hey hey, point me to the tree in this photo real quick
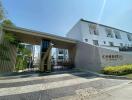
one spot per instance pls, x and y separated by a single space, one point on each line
2 12
7 22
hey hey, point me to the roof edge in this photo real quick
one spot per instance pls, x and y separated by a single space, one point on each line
104 25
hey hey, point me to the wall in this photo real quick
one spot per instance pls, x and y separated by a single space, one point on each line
92 58
87 57
112 58
75 32
111 48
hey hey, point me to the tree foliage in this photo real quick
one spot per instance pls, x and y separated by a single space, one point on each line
22 59
23 53
2 12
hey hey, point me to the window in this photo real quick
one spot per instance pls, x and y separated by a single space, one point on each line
109 32
111 43
121 44
104 42
86 40
117 34
60 57
129 37
95 42
93 29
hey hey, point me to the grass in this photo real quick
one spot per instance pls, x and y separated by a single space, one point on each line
118 70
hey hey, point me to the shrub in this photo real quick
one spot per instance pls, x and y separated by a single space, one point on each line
118 70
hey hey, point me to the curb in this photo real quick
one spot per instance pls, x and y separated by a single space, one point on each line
109 76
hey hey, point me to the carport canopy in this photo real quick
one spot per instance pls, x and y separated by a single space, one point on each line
35 37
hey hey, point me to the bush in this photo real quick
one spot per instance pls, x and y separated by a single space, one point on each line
117 70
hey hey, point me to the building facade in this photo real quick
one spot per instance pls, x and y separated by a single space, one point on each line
100 35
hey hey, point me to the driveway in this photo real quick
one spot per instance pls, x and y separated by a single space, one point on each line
69 85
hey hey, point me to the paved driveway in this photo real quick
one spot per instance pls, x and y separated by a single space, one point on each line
61 86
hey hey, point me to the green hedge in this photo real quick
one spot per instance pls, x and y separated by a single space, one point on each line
118 70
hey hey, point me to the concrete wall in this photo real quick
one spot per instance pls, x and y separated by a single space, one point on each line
111 48
112 58
89 57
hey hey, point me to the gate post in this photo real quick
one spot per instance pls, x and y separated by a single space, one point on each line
45 64
72 52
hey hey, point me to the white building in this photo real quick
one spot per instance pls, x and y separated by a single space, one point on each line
100 35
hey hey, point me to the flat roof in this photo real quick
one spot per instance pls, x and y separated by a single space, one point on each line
33 35
104 25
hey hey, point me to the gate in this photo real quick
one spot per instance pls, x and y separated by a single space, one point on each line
61 65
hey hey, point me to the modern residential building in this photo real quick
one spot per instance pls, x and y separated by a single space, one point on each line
100 35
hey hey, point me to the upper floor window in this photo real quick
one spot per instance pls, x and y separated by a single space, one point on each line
111 43
109 32
93 29
104 42
117 34
121 44
129 37
95 42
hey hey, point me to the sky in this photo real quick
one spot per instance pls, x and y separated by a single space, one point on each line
58 16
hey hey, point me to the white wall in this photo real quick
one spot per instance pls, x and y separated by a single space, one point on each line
81 32
75 32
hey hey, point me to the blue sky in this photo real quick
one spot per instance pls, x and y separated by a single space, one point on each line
58 16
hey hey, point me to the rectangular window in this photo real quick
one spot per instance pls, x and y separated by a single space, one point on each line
104 42
111 43
60 57
109 32
121 44
95 42
93 29
86 40
129 37
117 34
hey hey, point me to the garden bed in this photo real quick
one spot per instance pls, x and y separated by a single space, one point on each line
118 70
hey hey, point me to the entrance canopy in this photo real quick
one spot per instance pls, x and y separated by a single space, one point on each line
35 37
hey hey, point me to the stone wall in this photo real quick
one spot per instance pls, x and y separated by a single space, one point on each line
87 57
112 58
93 58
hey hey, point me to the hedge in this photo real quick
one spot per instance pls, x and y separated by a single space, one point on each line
118 70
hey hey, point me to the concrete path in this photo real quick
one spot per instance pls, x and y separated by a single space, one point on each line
67 86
